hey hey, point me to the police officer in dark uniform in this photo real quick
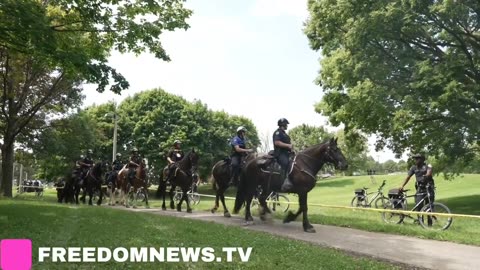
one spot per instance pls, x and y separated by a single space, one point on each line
86 163
117 165
174 155
134 162
424 180
239 151
282 148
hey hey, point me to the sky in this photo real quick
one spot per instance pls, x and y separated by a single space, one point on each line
246 57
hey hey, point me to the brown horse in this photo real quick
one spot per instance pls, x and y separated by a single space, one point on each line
120 183
221 175
183 177
302 171
140 186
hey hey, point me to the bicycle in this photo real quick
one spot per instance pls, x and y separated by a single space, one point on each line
274 201
398 201
361 198
193 197
141 195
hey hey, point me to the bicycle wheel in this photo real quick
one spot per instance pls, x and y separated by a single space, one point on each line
177 196
358 202
131 198
279 203
434 222
380 202
394 218
141 195
194 198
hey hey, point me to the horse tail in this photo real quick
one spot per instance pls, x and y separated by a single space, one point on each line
241 196
160 185
213 180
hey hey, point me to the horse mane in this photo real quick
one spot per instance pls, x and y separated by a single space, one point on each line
97 168
316 145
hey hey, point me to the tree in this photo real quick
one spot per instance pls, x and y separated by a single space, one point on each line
408 71
354 147
48 48
304 136
152 120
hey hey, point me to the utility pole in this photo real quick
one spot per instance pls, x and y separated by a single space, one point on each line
115 127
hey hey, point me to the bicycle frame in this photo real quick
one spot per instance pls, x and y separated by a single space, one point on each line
420 204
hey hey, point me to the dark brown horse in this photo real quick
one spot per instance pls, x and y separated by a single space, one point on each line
302 171
93 181
183 177
221 175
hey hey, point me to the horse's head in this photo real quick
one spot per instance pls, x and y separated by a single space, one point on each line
334 155
193 160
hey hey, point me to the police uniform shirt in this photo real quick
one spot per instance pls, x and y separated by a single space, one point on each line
281 135
175 155
117 165
419 172
238 141
136 159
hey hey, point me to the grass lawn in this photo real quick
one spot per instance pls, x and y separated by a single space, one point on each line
461 195
53 225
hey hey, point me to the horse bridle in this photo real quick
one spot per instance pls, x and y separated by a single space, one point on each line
313 158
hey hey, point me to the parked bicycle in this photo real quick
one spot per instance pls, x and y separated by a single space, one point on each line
398 201
361 198
192 196
275 201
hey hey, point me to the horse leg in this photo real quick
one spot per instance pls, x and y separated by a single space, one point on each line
163 193
248 214
135 196
215 207
264 211
84 195
222 199
189 210
90 194
290 215
184 197
145 190
307 227
172 203
99 202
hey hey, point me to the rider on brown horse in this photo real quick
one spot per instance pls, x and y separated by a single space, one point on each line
239 151
117 165
173 156
135 161
283 146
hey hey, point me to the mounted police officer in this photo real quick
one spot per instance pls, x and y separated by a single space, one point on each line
424 180
239 151
174 155
133 164
86 164
117 165
282 148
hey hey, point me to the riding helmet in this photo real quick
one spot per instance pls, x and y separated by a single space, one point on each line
177 142
241 128
282 122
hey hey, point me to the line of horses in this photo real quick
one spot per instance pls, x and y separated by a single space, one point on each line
257 171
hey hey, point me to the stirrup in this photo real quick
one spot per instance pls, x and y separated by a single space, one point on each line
287 185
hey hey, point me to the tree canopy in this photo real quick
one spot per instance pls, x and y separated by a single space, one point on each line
49 48
405 70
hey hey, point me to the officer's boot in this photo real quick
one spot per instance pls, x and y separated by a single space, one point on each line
287 184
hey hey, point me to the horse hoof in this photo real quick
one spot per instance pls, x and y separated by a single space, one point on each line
263 218
164 208
250 218
227 214
134 206
189 210
247 223
148 206
310 230
214 210
127 206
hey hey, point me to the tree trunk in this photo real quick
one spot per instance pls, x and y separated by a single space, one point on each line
7 168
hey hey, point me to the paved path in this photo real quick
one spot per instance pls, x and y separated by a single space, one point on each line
415 252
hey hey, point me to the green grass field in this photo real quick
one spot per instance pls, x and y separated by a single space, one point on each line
55 225
461 195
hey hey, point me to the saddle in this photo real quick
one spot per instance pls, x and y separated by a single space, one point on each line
269 163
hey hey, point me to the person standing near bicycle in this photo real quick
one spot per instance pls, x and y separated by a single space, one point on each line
424 180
